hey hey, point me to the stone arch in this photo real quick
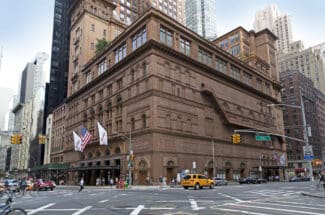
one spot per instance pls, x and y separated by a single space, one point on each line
143 165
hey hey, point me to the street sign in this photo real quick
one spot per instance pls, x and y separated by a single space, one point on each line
308 153
262 138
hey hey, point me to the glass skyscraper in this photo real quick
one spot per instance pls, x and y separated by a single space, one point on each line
201 17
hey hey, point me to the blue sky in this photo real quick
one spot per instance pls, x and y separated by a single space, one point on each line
26 27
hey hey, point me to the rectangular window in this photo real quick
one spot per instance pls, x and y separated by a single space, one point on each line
109 90
204 56
267 88
104 33
120 53
88 77
92 27
235 72
259 84
92 46
235 51
221 65
102 66
139 38
166 36
248 78
119 83
185 46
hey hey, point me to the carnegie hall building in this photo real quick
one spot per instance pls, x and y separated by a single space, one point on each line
172 96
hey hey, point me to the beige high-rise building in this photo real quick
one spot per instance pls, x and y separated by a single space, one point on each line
279 24
306 61
90 21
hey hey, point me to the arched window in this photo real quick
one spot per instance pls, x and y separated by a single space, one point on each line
97 153
107 152
90 155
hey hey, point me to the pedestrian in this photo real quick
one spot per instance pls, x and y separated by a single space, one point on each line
97 182
81 183
23 184
103 181
111 182
322 179
148 180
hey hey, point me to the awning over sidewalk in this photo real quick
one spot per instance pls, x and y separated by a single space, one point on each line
52 166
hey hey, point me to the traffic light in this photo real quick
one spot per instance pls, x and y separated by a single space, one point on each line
13 139
238 138
41 139
235 138
19 139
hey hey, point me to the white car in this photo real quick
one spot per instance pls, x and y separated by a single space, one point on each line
219 181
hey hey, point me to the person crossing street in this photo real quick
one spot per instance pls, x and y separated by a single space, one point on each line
81 183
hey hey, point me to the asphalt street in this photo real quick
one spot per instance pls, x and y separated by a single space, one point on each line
261 199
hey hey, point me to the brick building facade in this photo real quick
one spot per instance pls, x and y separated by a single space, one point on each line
165 85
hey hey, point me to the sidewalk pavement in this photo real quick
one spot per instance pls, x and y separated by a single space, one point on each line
316 194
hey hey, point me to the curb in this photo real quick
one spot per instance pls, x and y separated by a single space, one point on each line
313 195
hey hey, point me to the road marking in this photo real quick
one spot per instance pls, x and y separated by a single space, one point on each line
231 197
175 201
93 194
241 211
300 203
279 209
295 206
137 210
70 194
82 210
106 200
41 208
194 205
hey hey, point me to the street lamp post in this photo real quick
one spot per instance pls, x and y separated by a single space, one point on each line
304 128
130 161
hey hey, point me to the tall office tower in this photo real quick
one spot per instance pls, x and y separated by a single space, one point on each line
306 61
172 8
280 25
90 21
201 17
32 78
57 91
6 95
298 89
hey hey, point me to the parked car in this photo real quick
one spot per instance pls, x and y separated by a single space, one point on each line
247 180
295 179
220 181
261 180
197 181
44 184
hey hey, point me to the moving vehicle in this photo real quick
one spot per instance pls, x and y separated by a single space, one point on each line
44 184
220 181
247 180
197 181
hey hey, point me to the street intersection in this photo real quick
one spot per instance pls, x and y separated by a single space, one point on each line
263 199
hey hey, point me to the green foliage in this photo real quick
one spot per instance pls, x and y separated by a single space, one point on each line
101 44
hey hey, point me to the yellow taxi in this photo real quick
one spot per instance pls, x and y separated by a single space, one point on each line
30 185
197 181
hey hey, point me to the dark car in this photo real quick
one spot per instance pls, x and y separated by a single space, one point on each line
295 179
261 180
247 180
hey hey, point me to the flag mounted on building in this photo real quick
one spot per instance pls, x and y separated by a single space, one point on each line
76 141
102 135
85 137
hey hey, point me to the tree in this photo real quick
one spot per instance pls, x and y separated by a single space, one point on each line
101 44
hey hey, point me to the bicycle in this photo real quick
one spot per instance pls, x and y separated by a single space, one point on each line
34 190
7 209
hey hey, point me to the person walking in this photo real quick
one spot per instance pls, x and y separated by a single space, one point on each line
81 183
111 182
322 180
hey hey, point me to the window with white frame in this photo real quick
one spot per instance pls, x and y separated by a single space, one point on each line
185 46
120 53
102 66
139 38
248 78
235 72
88 77
204 56
166 36
221 65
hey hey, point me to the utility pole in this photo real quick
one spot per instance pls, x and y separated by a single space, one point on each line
130 160
214 169
311 175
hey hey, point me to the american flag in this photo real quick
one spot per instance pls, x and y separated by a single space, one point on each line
85 137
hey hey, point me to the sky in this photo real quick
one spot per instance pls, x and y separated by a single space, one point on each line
26 28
